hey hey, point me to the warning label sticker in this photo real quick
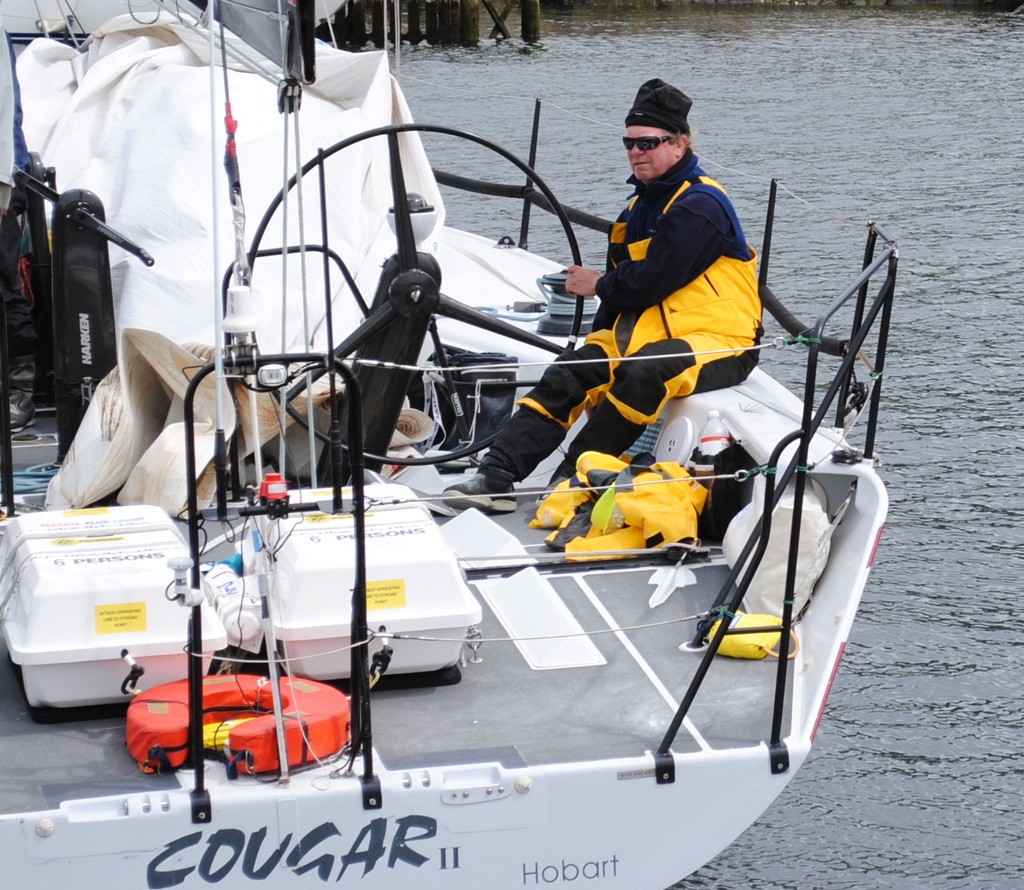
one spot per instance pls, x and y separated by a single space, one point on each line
121 618
385 594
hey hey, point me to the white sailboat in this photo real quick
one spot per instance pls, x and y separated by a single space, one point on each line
538 720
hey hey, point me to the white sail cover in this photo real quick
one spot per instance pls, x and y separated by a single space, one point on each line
130 120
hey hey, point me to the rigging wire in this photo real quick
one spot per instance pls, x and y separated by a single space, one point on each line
218 325
241 273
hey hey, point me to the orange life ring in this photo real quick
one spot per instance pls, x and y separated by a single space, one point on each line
241 705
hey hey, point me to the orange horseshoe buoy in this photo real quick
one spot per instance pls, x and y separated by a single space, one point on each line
238 722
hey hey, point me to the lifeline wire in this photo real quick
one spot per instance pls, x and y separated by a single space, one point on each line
777 343
383 635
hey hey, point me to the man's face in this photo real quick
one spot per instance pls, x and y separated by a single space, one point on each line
651 163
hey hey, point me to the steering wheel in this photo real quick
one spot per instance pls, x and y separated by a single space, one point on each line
408 295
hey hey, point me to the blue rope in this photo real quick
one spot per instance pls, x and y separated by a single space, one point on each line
34 480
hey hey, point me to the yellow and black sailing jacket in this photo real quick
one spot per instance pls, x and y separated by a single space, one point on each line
723 301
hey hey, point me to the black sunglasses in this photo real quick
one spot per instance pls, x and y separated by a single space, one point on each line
644 143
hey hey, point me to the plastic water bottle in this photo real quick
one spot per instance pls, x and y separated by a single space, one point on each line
714 438
238 609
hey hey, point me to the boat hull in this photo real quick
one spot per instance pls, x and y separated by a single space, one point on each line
459 826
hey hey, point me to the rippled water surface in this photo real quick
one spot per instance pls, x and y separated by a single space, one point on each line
912 118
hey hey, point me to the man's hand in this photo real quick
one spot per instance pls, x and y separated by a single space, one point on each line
582 281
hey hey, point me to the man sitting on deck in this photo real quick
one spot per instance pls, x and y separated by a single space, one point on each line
679 300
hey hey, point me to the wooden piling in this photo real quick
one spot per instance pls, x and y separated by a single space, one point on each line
469 26
355 23
454 22
348 26
414 32
430 11
444 22
531 20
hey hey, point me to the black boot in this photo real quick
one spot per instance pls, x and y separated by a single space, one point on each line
22 381
487 493
526 441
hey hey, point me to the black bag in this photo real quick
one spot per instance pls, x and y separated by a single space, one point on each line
486 397
726 497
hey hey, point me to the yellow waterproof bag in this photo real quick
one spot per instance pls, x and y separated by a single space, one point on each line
756 644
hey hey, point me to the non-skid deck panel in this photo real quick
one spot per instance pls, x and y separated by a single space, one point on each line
728 682
619 709
44 764
547 716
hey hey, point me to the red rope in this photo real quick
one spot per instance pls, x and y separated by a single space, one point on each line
25 270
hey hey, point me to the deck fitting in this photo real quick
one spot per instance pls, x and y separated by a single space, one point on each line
372 793
779 756
664 768
202 808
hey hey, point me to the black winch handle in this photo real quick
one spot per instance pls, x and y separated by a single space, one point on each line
89 221
82 216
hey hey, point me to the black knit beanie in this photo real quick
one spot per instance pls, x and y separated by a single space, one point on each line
659 104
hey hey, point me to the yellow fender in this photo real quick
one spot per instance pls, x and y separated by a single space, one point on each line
753 645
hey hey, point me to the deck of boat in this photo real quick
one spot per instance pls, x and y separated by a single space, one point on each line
611 693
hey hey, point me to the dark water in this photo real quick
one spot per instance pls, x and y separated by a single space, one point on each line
912 118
